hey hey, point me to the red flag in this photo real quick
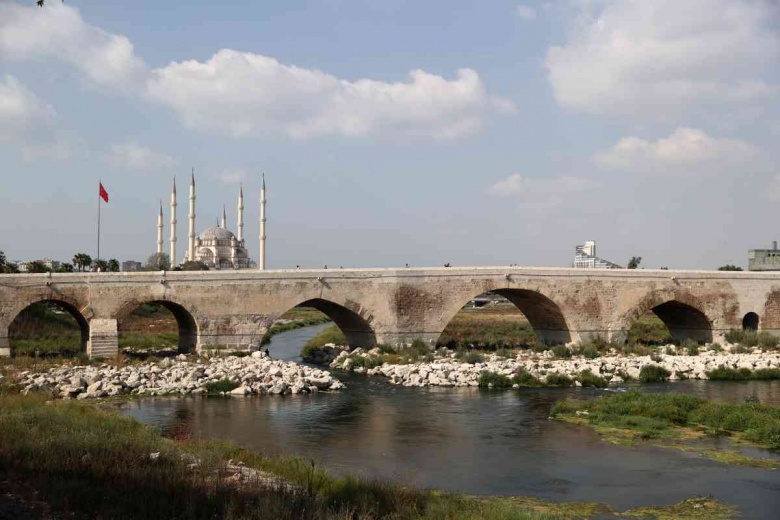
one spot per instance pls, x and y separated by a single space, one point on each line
103 193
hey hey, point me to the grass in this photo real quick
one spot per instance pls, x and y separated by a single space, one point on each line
750 338
72 460
489 328
332 334
587 378
523 378
743 374
649 330
656 416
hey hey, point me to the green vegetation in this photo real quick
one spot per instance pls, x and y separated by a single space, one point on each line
489 328
469 356
743 374
729 267
588 378
494 380
332 334
523 378
221 386
559 380
674 417
45 330
653 374
649 330
750 338
69 459
561 352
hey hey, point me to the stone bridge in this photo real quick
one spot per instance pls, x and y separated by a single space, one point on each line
234 309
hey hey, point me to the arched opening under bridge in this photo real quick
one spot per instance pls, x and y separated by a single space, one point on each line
750 321
506 318
347 327
48 328
681 320
157 327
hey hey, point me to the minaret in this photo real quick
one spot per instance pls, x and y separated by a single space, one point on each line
191 246
160 231
173 224
261 261
224 218
240 227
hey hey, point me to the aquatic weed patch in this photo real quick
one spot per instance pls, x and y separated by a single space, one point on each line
641 415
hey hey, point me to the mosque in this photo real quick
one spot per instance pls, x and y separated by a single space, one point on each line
216 246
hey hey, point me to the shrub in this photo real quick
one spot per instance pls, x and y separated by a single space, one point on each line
590 352
670 351
558 380
767 340
469 356
561 352
653 374
741 349
728 374
716 347
386 349
656 357
588 378
223 385
734 336
506 353
494 380
766 374
523 377
691 347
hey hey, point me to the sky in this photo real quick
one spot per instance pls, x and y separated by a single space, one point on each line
394 132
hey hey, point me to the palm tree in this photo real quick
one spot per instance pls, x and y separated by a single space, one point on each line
113 265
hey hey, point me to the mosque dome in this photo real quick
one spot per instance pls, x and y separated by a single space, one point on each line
216 233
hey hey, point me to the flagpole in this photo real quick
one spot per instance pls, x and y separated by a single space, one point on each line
98 230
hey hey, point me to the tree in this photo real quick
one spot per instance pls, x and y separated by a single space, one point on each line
113 265
194 266
100 266
37 266
634 262
65 268
729 267
158 262
82 261
7 267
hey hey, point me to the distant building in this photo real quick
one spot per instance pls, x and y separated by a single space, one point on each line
764 259
131 265
585 258
52 265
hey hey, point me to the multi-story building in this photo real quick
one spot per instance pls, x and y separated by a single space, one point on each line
764 259
585 258
131 265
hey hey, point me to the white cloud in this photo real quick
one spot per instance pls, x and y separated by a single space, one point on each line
28 123
540 193
526 12
136 157
687 151
245 94
664 57
58 32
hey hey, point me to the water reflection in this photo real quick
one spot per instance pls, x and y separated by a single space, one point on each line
472 440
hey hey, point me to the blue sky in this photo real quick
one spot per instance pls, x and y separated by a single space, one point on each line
394 132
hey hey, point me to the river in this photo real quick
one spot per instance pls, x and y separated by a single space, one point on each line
493 442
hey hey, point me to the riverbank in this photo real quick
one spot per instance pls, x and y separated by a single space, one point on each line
678 421
247 375
73 460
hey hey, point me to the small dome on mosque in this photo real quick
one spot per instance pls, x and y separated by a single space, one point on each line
217 233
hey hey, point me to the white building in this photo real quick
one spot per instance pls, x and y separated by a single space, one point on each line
216 246
585 258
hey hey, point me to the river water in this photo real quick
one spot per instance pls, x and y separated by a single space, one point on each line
494 442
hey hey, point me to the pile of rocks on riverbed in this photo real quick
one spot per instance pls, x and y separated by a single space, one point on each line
445 370
255 374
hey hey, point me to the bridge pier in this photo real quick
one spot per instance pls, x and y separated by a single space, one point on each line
5 344
234 332
103 338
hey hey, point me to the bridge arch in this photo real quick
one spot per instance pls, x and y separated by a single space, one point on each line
355 324
680 313
750 321
185 321
543 314
17 329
